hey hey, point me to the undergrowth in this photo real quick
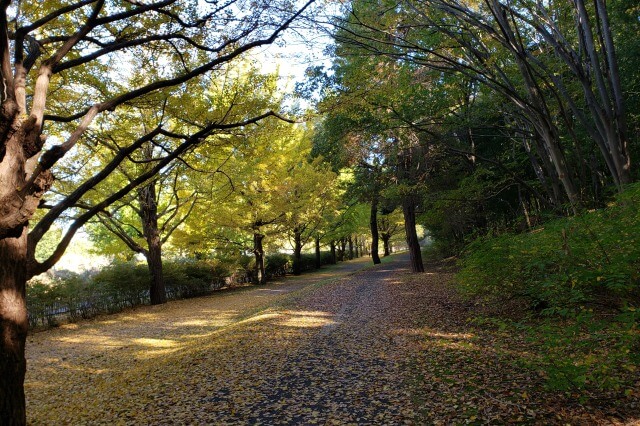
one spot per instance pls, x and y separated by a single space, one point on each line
579 280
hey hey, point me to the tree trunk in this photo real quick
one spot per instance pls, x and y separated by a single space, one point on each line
373 222
297 252
149 216
332 246
409 212
318 255
350 248
357 247
258 251
14 326
13 273
341 250
385 242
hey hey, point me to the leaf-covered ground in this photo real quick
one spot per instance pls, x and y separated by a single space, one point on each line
380 346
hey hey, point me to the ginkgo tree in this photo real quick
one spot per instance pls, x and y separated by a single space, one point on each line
64 66
145 220
311 191
267 188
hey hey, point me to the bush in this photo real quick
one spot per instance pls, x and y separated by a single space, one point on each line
326 258
123 284
191 279
583 275
564 264
126 284
277 265
307 262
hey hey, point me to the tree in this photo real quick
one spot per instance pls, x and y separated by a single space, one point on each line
311 194
275 190
388 226
63 56
506 47
160 207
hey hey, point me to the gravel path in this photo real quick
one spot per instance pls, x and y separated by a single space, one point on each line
320 354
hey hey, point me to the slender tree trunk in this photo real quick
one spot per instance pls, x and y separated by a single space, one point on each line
385 242
318 255
357 246
341 250
350 247
297 252
258 251
149 216
332 247
540 116
415 254
373 222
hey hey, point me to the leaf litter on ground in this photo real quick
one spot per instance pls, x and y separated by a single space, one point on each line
379 346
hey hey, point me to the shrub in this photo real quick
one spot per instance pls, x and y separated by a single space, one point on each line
326 258
123 284
190 279
585 270
565 263
277 265
307 262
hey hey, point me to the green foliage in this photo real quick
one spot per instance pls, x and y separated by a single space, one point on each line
587 352
117 286
326 258
582 274
307 262
126 281
193 278
594 256
126 284
47 298
277 265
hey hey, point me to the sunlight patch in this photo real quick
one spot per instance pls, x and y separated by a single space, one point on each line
156 343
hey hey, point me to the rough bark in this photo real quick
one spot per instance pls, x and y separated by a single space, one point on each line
341 249
149 216
297 252
332 247
373 222
409 212
13 326
350 247
356 249
258 252
385 242
13 272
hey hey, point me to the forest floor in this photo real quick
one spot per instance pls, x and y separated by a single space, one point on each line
351 344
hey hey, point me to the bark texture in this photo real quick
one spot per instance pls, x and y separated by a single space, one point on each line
409 212
13 326
149 215
373 222
297 252
258 251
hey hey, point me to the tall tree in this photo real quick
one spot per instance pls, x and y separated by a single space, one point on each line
505 46
64 55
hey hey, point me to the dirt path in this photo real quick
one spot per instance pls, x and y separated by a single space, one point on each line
378 346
